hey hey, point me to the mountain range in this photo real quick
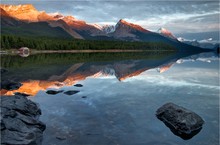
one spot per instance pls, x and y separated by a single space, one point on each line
26 20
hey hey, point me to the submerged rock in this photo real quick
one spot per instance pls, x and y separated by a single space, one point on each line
61 137
71 92
10 85
20 121
3 70
181 121
53 92
21 94
78 85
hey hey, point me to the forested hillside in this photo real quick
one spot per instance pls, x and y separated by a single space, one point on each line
46 43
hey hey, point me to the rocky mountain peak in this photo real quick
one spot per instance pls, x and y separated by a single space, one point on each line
125 24
18 8
166 33
26 12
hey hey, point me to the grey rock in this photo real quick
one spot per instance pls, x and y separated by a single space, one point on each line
20 121
181 121
53 92
3 70
22 94
71 92
10 85
20 104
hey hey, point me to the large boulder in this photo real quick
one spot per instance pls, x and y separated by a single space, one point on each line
20 121
181 121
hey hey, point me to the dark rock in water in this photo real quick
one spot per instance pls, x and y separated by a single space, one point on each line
78 85
10 85
217 48
84 97
21 94
3 70
19 121
53 92
71 92
181 121
61 137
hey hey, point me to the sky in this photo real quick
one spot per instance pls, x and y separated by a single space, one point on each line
178 16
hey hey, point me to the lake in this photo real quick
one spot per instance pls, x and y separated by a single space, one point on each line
119 96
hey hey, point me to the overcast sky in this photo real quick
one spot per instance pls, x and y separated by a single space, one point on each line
175 15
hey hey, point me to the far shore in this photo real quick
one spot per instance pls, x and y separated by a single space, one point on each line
14 51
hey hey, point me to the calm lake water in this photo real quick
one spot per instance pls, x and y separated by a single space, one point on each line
117 103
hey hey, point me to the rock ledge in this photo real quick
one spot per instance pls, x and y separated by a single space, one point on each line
20 121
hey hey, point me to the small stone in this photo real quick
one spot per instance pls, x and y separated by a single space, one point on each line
78 85
53 92
84 97
71 92
61 137
181 121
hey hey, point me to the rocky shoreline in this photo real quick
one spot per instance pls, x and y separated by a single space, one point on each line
20 122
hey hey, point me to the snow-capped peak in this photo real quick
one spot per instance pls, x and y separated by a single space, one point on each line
166 33
97 26
20 8
108 28
181 39
70 18
105 28
56 15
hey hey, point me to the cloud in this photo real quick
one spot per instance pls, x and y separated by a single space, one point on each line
182 22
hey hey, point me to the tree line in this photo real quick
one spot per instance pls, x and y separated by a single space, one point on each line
45 43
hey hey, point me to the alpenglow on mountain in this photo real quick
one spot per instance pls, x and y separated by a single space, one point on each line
28 21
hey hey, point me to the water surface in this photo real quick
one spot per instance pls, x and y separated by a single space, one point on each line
120 95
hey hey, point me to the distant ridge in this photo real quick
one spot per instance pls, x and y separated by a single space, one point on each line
27 20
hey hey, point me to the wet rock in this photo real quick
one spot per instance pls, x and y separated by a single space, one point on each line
21 94
20 121
61 137
181 121
3 70
10 85
71 92
78 85
53 92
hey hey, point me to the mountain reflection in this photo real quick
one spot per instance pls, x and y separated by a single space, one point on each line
36 76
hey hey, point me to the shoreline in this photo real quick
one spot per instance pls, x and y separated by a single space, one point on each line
15 52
